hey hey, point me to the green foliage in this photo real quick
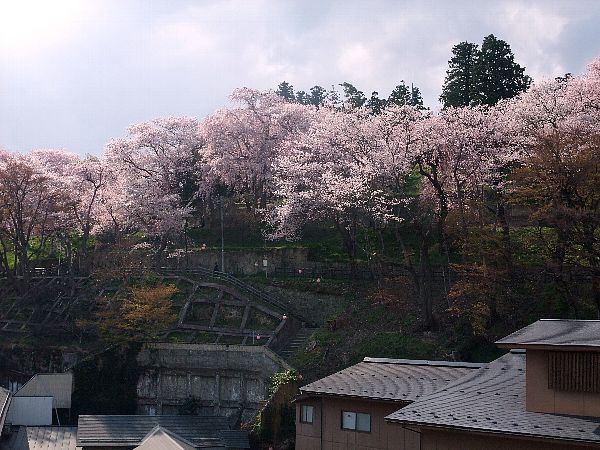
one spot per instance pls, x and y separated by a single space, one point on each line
354 97
391 344
279 379
496 75
458 85
286 91
482 76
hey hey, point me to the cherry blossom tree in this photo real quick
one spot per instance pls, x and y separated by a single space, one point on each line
83 180
327 174
556 132
159 165
34 206
243 142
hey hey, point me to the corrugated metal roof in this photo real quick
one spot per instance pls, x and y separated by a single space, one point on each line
555 332
46 438
389 379
162 439
492 399
56 385
131 430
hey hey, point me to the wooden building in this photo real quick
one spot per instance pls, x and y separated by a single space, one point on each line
346 410
544 394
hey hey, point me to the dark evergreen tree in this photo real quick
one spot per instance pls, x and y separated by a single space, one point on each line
302 97
400 95
403 95
375 104
354 97
416 99
286 90
317 96
458 85
496 75
333 97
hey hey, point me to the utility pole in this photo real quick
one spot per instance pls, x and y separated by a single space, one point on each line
222 236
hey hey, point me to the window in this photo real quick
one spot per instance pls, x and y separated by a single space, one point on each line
307 413
574 371
356 421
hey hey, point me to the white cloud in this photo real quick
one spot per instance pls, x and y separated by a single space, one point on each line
75 73
533 32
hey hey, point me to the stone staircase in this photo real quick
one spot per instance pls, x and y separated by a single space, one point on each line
296 342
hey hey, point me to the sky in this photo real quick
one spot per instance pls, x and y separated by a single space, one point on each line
74 74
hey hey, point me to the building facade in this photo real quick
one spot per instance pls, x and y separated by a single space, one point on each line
347 410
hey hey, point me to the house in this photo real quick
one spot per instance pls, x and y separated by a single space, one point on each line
150 432
42 400
346 410
543 394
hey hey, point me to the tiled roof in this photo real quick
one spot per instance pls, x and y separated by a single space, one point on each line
45 438
59 386
555 332
235 438
131 430
492 400
390 379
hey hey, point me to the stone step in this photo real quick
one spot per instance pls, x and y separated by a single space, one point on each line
296 342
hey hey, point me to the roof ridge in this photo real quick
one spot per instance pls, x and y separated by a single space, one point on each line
423 362
569 320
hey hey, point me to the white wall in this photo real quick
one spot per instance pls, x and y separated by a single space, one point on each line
30 411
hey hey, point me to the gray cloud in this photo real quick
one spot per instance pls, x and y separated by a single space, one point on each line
78 73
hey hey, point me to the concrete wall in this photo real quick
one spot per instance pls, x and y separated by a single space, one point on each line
542 399
447 440
30 411
244 261
326 433
223 380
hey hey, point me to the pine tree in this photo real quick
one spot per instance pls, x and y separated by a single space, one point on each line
354 97
458 85
317 96
286 90
375 104
496 75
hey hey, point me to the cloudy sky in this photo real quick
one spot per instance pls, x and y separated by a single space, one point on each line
76 73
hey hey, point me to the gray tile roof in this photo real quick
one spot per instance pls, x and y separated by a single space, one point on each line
555 332
235 438
492 399
131 430
59 386
45 438
390 379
